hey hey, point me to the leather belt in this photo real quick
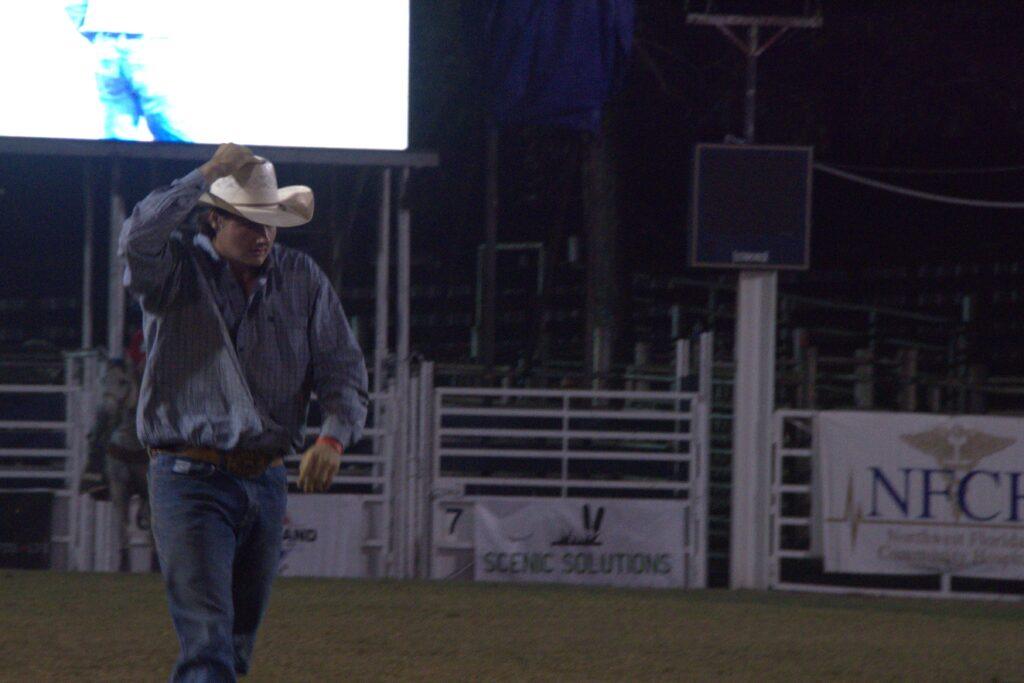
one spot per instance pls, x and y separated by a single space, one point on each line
248 464
131 456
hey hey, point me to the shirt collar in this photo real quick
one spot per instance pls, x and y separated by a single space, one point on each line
204 243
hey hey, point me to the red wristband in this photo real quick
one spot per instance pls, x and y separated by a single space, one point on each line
332 442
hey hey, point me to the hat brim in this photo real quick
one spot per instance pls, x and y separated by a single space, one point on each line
294 207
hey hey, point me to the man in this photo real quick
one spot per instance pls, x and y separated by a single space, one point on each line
238 331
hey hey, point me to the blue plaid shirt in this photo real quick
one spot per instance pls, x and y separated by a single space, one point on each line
225 371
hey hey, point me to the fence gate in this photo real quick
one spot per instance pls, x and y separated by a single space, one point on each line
539 476
346 531
41 442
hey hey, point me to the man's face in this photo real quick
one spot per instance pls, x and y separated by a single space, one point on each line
241 241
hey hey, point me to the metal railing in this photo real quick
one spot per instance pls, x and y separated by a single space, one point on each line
546 443
43 430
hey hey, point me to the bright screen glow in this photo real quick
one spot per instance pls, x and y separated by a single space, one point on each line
291 73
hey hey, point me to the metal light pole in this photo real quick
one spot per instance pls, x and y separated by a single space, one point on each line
754 386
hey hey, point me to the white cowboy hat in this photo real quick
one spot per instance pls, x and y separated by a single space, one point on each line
252 193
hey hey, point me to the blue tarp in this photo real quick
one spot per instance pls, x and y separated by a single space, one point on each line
556 62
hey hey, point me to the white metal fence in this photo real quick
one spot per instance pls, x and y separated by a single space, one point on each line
43 430
365 475
542 444
425 451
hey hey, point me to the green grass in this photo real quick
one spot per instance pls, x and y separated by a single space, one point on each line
91 627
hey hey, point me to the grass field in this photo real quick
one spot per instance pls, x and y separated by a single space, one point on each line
91 627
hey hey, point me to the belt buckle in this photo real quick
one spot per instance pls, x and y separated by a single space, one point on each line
248 466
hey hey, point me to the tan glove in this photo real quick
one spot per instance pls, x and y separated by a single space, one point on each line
319 465
227 160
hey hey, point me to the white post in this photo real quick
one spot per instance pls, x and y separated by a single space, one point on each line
753 402
87 247
408 490
72 414
380 349
404 267
383 278
682 362
385 449
424 471
115 268
405 415
384 403
705 367
702 493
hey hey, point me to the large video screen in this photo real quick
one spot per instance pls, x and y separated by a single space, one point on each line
291 73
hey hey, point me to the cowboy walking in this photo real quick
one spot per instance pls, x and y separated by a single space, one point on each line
239 330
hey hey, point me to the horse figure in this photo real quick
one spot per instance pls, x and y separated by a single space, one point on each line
117 463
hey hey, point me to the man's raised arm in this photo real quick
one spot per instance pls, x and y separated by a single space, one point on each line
144 242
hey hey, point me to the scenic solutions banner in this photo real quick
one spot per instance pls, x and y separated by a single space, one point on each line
323 536
606 542
922 494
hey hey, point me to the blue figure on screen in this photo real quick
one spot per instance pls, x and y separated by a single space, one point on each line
132 68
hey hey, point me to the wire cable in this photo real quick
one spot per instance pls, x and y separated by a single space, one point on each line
917 194
921 170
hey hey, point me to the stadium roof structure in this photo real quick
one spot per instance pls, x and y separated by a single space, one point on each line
200 152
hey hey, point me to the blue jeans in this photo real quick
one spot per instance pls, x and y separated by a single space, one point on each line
133 75
218 538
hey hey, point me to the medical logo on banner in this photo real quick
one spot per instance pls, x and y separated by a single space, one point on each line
322 536
610 542
921 494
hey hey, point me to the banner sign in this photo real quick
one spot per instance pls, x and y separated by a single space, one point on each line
25 530
922 494
323 536
606 542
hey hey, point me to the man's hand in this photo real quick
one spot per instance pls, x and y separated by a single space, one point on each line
227 160
318 466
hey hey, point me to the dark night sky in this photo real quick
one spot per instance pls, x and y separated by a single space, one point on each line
927 83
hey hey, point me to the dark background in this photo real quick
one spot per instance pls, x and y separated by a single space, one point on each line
917 86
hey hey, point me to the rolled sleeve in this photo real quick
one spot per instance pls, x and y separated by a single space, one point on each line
145 239
339 370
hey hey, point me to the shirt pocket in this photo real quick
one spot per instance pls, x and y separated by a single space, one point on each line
292 338
287 370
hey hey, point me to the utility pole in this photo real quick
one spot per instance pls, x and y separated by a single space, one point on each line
756 302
